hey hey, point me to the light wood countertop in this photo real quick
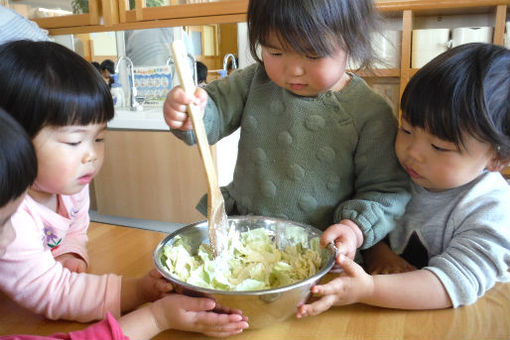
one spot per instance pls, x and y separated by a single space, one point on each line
128 251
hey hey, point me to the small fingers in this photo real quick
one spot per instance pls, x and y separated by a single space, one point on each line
219 325
343 237
81 267
185 125
226 310
155 274
331 234
175 107
316 307
221 333
178 96
347 249
164 286
201 97
332 287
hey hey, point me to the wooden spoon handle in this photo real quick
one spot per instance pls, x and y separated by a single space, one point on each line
216 215
184 72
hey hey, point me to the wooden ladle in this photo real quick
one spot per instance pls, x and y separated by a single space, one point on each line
216 215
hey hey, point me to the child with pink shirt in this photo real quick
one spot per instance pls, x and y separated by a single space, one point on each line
18 169
63 104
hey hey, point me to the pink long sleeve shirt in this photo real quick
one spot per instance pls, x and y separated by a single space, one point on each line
107 329
30 275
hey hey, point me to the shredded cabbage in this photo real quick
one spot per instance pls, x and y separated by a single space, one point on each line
251 261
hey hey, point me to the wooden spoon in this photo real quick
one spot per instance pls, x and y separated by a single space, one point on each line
216 215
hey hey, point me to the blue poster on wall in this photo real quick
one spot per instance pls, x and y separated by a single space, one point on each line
153 83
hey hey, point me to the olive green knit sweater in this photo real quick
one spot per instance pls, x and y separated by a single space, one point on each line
314 160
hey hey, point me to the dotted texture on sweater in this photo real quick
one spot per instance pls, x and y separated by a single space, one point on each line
314 160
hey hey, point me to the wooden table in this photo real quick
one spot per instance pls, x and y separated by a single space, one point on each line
128 251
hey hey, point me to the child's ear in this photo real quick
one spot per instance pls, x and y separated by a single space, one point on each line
497 163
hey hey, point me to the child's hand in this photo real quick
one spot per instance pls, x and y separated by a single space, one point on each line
153 286
380 259
174 108
137 291
72 262
353 285
346 236
196 315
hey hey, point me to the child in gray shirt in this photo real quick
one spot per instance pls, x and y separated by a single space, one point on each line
453 242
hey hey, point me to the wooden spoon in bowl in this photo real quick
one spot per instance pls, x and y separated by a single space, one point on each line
216 215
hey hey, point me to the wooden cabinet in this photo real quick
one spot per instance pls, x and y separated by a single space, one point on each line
150 175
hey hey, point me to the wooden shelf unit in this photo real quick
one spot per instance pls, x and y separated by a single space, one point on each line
411 9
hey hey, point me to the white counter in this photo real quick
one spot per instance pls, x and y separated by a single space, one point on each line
151 118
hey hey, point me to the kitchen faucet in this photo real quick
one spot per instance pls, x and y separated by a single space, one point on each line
170 62
225 61
133 104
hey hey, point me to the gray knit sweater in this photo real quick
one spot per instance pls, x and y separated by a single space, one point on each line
466 232
314 160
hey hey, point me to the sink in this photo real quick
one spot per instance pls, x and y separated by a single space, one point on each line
151 118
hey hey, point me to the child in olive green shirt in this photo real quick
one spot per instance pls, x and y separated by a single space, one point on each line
316 142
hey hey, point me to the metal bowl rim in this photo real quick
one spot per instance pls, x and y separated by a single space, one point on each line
277 290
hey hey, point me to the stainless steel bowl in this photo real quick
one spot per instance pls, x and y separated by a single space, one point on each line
262 307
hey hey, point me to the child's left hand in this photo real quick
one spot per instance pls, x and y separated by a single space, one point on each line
195 314
353 285
72 262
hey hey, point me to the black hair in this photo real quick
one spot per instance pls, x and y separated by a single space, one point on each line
108 65
315 26
18 162
465 90
201 72
46 84
230 64
97 66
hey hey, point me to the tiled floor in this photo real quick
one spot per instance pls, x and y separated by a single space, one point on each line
165 227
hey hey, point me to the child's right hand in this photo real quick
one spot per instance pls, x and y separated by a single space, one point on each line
351 286
174 108
346 235
139 290
193 314
153 286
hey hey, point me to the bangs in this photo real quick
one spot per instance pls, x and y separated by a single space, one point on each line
462 92
308 27
428 115
315 27
439 99
71 102
303 41
73 106
60 88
